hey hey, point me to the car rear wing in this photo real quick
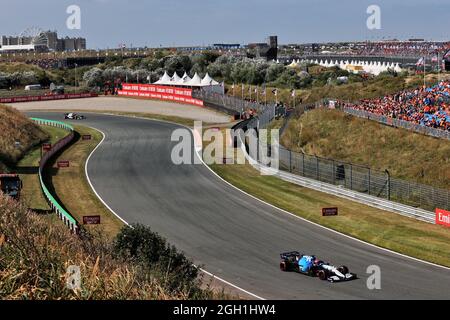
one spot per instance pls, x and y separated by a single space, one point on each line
286 255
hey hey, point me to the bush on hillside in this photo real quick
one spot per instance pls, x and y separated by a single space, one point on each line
35 253
149 250
19 135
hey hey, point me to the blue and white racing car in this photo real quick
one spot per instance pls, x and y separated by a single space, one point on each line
311 266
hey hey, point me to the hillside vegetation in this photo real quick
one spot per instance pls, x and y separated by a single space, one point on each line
15 128
35 255
336 135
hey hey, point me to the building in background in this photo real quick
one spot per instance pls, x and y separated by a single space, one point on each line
267 50
34 39
226 46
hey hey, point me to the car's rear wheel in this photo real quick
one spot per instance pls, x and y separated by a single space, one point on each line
322 274
283 266
343 270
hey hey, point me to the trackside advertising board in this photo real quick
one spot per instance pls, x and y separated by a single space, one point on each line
329 212
443 217
48 98
167 93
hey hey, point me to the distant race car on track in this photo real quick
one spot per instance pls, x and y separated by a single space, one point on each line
74 116
311 266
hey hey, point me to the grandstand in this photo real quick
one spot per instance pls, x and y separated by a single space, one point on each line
426 106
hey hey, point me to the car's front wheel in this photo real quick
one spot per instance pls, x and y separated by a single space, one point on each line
322 275
283 266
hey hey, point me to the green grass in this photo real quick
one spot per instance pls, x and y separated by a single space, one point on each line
389 230
28 171
15 128
64 181
336 135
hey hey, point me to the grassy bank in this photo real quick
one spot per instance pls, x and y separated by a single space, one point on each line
389 230
18 135
336 135
71 187
35 255
28 168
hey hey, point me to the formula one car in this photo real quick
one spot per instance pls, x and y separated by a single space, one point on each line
313 267
74 116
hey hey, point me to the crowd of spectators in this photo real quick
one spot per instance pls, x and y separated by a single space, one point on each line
45 64
427 106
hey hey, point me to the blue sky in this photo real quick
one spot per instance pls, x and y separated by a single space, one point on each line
107 23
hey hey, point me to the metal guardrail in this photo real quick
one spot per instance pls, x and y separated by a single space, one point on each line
355 178
437 133
228 102
65 216
363 180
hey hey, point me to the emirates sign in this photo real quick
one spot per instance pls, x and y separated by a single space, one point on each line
443 217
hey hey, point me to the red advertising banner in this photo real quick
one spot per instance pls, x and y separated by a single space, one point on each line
167 93
443 217
48 98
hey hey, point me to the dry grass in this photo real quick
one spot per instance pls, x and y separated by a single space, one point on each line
407 155
11 67
28 170
389 230
64 181
16 127
35 255
373 88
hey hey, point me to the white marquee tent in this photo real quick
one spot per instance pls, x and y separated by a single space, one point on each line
373 67
196 81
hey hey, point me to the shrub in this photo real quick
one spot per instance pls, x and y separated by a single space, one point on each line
150 251
35 253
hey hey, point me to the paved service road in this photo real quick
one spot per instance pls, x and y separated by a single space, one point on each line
234 236
104 104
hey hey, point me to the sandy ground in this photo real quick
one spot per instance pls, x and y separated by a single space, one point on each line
128 105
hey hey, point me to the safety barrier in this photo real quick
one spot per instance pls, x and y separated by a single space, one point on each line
370 200
65 216
159 92
32 98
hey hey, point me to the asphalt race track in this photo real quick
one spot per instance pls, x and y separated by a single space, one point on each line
231 234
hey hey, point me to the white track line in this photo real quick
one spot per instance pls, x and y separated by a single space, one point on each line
284 211
228 183
126 223
89 180
326 228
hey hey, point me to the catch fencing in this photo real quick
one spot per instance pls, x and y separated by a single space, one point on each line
337 190
364 180
354 177
65 216
346 175
228 102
